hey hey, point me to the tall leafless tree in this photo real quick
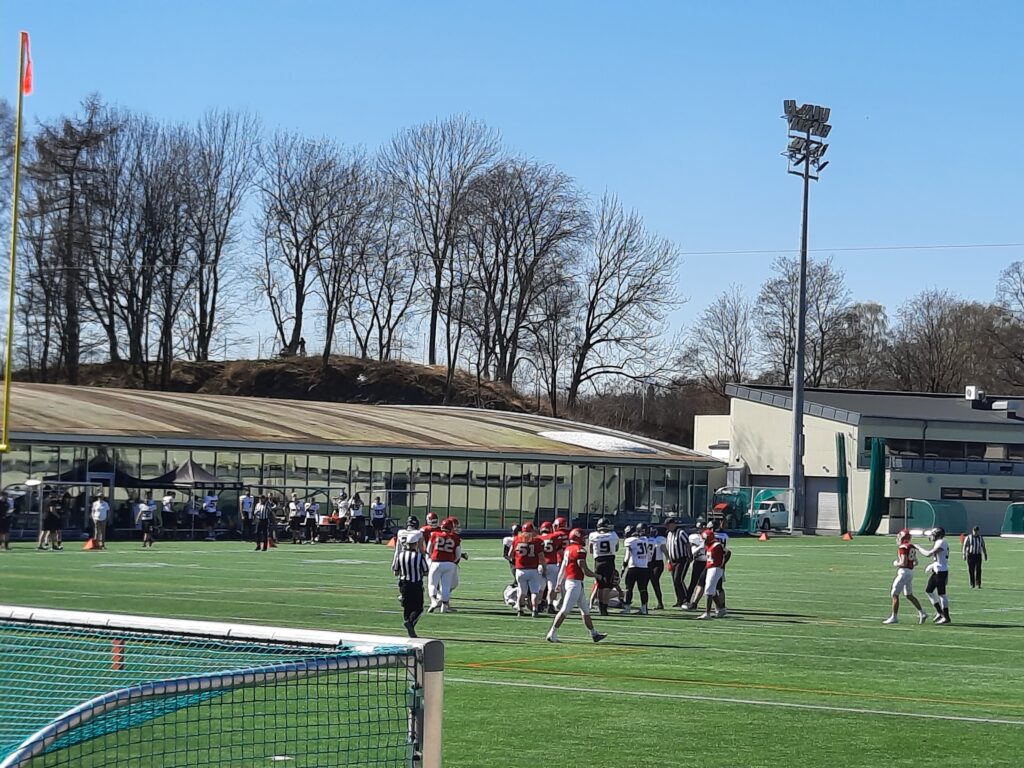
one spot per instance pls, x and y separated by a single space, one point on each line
524 223
722 345
628 286
298 181
433 165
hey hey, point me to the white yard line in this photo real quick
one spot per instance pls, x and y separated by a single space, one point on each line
745 702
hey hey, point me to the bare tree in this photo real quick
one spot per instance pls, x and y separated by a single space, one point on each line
936 343
828 302
433 165
628 287
722 344
384 290
298 181
222 162
553 321
524 222
345 238
865 365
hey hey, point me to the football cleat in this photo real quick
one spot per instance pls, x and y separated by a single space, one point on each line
599 637
552 639
705 615
891 620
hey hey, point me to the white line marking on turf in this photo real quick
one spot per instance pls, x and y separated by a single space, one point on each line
746 702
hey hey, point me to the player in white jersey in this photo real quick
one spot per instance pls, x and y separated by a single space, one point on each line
604 546
938 573
639 551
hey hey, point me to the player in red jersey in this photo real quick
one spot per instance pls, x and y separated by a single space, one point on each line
526 556
716 554
554 541
433 525
570 580
906 559
445 550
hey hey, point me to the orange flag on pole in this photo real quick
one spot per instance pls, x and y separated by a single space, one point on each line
26 82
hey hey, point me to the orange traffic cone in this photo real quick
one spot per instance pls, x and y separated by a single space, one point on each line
90 545
763 536
962 537
391 542
847 536
272 543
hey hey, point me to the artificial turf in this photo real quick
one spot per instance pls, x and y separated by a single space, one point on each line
802 672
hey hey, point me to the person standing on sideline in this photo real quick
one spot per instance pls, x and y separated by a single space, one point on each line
53 522
100 512
245 505
168 517
679 556
261 515
357 516
570 583
6 516
974 550
378 518
145 517
906 560
410 566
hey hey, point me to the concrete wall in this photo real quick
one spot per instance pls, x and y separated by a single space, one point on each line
708 430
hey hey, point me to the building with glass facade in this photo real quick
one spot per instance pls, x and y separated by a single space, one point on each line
489 468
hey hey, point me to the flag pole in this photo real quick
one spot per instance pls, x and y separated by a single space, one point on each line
9 342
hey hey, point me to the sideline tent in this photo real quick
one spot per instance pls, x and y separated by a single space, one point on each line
190 475
80 472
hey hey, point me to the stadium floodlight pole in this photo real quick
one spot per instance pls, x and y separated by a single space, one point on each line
807 125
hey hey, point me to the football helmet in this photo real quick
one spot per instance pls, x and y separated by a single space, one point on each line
455 522
936 533
561 523
604 524
903 536
641 529
545 527
515 530
709 535
527 527
448 524
431 518
576 536
412 522
628 532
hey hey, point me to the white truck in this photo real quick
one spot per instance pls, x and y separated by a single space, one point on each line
771 514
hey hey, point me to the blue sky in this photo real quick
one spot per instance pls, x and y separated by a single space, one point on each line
672 105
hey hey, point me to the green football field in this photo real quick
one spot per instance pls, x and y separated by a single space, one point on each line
802 672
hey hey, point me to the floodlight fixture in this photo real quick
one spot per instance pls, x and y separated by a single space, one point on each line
789 107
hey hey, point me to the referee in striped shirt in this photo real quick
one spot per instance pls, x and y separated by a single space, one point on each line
677 550
410 566
974 548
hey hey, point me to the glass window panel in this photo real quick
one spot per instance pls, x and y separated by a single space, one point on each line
250 468
595 495
974 451
669 491
206 459
127 460
477 494
153 463
318 470
546 492
360 477
495 517
1015 452
642 490
295 470
339 474
513 492
531 492
273 474
227 466
458 489
563 490
686 492
45 461
580 489
16 464
627 497
420 502
440 499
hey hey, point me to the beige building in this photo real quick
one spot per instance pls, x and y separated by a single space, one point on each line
960 450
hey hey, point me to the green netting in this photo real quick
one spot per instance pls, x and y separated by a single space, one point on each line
951 515
1013 521
164 700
